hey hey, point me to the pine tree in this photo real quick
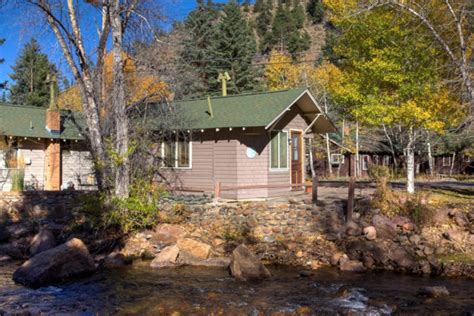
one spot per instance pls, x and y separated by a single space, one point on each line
30 75
233 50
316 10
263 23
200 28
298 14
259 6
2 84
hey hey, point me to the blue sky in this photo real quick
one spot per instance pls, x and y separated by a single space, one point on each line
17 28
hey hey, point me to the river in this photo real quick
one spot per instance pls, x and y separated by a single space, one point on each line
140 290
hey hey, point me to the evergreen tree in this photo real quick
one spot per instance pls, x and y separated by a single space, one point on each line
298 15
2 84
298 42
316 10
259 6
200 29
263 23
233 50
30 75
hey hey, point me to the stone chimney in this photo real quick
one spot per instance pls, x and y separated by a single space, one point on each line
53 121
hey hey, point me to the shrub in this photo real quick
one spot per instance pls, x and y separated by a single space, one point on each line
379 173
137 212
18 180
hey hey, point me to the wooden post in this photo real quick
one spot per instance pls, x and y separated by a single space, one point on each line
217 191
314 192
350 196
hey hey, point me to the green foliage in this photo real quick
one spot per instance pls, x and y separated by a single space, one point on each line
2 84
379 173
30 75
298 15
137 212
232 49
316 10
199 28
18 179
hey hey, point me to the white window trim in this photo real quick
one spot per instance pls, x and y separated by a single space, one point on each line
190 145
287 152
364 158
341 160
449 161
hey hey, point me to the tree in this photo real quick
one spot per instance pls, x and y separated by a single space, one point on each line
2 84
233 49
106 118
391 79
30 73
199 32
316 10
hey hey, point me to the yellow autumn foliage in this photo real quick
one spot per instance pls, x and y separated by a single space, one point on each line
138 86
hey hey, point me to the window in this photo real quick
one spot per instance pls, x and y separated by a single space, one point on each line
365 162
447 161
177 153
466 158
337 159
279 150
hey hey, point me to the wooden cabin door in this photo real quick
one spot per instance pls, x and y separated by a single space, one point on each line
296 157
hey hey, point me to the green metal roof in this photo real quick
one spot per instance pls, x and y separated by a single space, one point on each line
24 121
244 110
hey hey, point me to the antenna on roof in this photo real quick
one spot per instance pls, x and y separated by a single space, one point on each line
223 78
209 105
51 79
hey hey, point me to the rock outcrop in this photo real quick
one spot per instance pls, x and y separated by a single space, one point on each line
244 265
166 258
71 259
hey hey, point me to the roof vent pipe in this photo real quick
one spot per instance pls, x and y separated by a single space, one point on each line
209 105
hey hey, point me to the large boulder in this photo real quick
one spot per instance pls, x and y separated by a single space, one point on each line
116 260
193 247
352 266
166 258
71 259
168 233
42 241
244 265
384 226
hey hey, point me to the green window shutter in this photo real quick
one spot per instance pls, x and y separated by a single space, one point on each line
283 149
274 151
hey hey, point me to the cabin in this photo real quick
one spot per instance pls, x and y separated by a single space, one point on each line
244 146
44 148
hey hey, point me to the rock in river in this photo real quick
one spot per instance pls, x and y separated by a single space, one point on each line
42 241
71 259
166 258
244 265
433 291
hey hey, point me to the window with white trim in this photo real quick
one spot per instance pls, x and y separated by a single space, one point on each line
365 162
279 150
176 153
337 159
446 161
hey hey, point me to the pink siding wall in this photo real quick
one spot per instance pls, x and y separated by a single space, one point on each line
222 156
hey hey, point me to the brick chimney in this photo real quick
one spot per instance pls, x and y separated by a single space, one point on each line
53 121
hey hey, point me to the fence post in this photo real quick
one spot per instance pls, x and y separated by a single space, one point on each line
350 199
217 191
314 191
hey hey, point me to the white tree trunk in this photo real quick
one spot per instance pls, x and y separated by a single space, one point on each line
328 154
430 160
410 164
357 169
452 164
122 172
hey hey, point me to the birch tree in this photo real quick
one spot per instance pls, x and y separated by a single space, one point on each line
391 79
66 19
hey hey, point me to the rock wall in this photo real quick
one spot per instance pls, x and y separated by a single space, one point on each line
38 203
267 221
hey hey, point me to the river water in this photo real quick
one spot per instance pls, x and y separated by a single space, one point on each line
140 290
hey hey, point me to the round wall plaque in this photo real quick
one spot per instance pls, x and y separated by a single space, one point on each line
251 153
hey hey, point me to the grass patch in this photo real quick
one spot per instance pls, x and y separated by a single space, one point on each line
457 258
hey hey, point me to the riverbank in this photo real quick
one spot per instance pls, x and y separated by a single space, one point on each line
286 232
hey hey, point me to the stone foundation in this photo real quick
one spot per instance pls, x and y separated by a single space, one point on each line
262 220
39 203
